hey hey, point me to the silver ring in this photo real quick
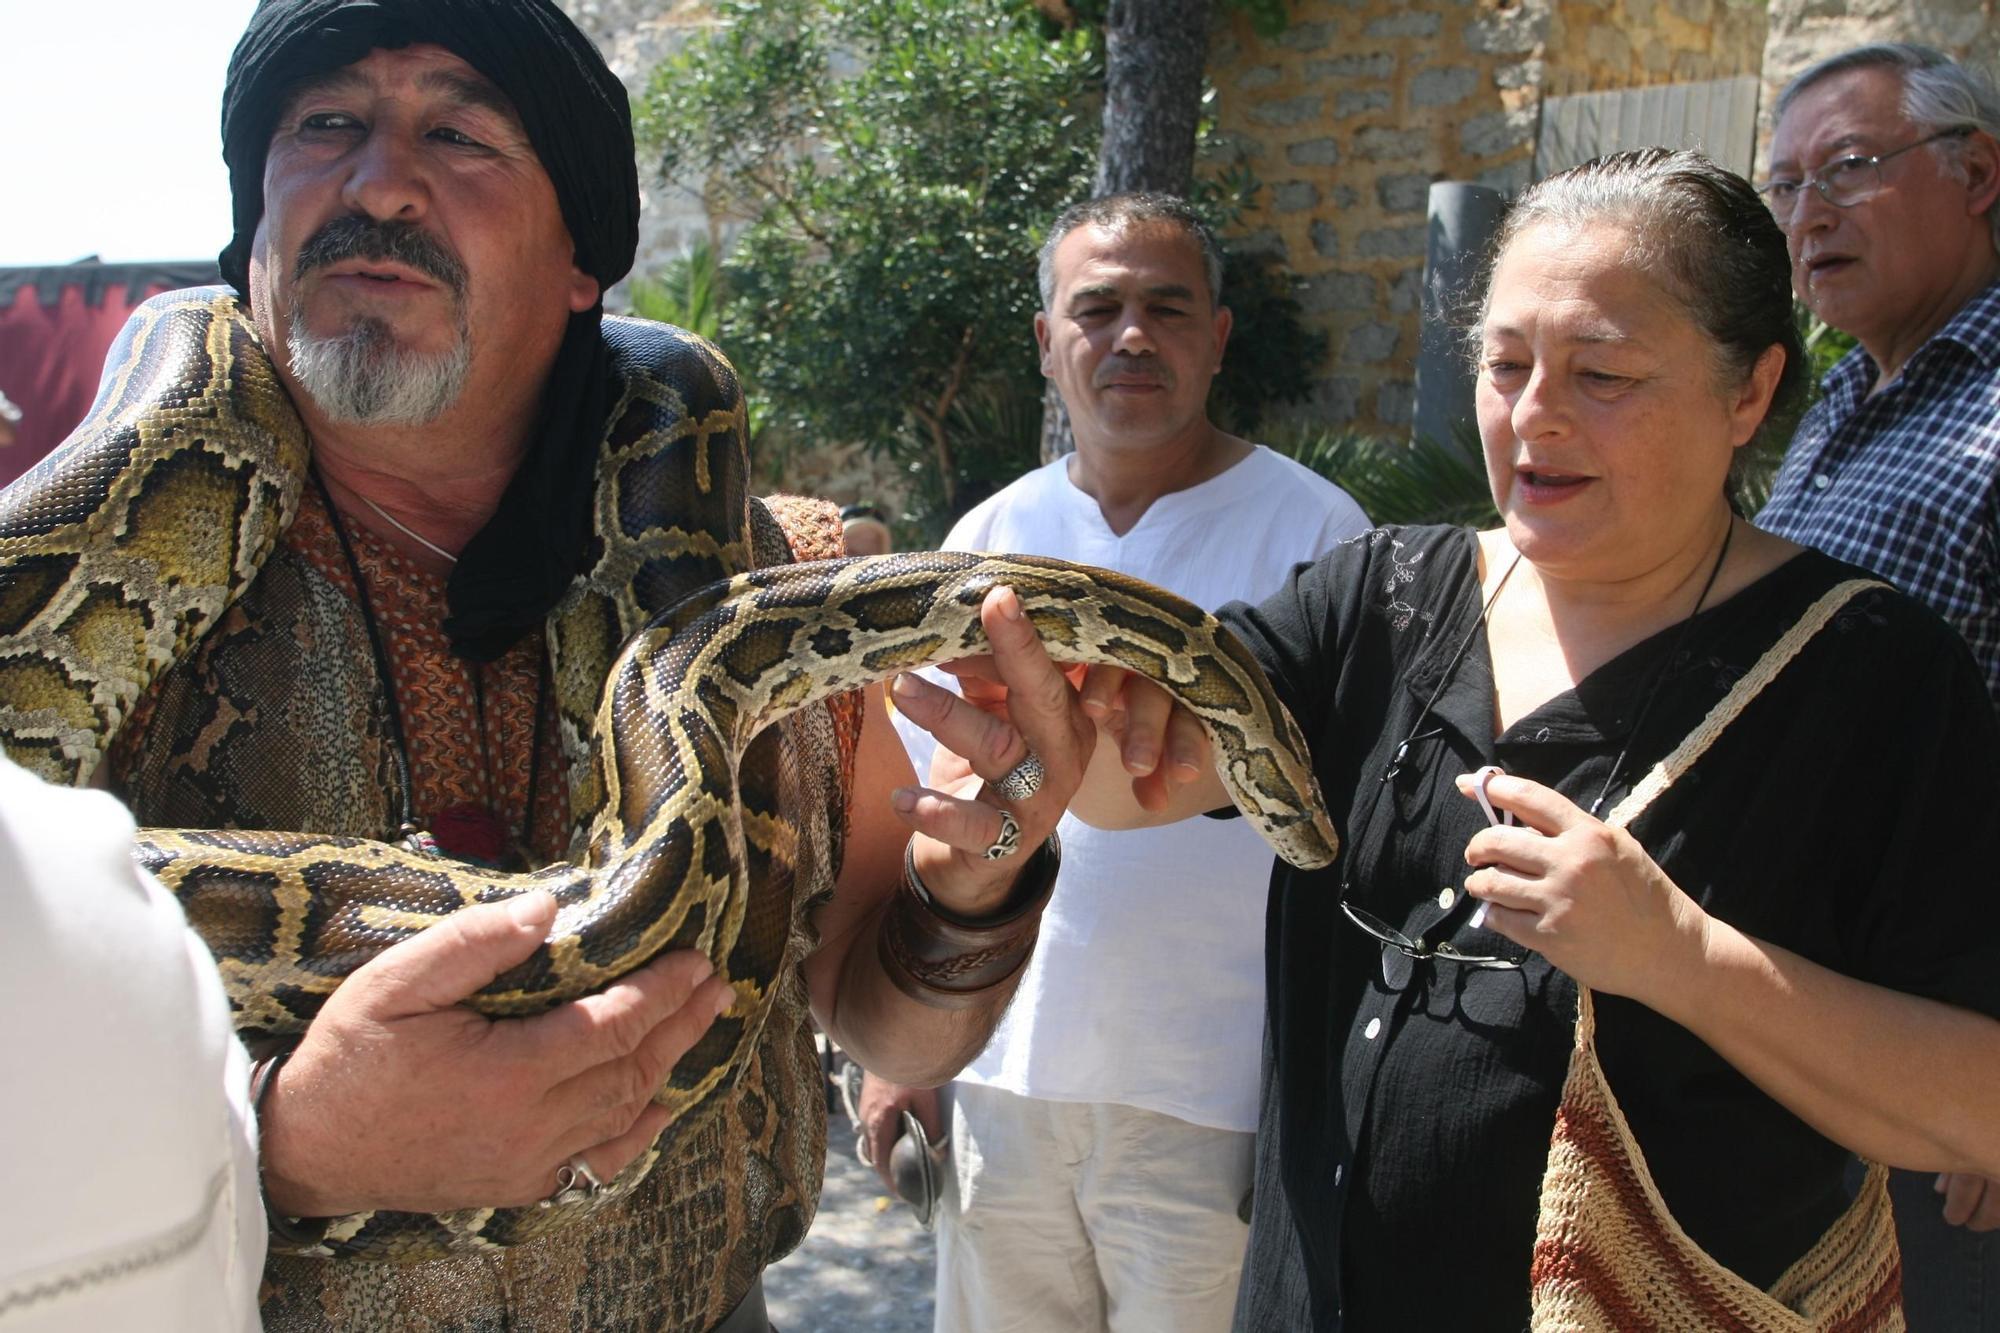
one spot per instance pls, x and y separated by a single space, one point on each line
575 1181
861 1152
1008 841
1023 780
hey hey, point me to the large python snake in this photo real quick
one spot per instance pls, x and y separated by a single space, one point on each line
120 551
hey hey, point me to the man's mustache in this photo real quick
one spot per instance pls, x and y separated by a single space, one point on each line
1128 369
404 243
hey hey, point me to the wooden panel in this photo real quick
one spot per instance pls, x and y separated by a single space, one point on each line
1719 118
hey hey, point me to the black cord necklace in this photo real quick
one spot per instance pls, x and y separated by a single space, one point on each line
1398 948
411 834
1394 767
1400 951
1450 669
1660 671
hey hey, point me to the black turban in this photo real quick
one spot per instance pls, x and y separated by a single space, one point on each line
577 118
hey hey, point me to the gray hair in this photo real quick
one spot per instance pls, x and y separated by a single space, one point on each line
1115 212
1699 231
1938 94
365 377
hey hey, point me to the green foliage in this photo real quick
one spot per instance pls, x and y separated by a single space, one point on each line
1423 481
687 293
1825 344
898 160
1268 18
996 431
1758 462
1272 354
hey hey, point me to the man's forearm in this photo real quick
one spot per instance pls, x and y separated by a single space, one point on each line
909 984
901 1038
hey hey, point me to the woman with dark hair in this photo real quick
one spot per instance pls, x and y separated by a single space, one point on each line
1604 1067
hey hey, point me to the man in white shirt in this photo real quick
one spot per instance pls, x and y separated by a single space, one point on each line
132 1160
1101 1143
131 1114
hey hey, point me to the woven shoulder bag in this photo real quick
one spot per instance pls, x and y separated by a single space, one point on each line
1609 1258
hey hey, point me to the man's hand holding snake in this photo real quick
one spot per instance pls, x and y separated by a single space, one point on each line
400 1098
964 817
1153 762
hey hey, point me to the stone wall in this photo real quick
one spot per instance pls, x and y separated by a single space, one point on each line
1349 115
1595 45
1804 31
1346 118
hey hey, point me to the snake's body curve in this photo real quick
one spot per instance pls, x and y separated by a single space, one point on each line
673 821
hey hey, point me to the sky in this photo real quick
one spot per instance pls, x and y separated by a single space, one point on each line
109 143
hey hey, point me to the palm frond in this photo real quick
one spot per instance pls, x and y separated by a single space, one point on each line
1422 481
687 292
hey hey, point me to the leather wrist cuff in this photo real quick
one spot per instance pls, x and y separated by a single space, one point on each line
289 1235
947 961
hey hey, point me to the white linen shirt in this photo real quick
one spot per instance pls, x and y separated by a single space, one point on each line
1147 987
132 1199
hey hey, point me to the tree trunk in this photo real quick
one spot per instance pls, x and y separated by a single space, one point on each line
1154 53
936 417
1057 438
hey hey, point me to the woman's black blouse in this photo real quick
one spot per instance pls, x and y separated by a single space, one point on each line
1844 816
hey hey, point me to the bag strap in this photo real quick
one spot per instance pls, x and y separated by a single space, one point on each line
1775 659
1727 709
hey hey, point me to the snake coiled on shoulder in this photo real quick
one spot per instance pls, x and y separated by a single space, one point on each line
129 544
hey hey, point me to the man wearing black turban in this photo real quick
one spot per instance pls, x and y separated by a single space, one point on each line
431 197
574 115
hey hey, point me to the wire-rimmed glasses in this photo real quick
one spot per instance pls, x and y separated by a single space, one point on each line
1401 952
1845 181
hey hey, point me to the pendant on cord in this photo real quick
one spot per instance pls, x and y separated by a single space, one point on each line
417 840
472 833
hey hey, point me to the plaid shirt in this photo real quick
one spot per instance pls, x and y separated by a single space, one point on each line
1907 483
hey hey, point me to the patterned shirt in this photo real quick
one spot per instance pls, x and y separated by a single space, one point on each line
1907 482
275 721
471 728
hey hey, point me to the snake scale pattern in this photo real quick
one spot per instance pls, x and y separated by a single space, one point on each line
670 655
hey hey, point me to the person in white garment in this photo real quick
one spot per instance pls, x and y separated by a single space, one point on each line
132 1151
1101 1144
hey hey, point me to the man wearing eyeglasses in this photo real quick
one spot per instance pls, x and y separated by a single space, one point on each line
1884 174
